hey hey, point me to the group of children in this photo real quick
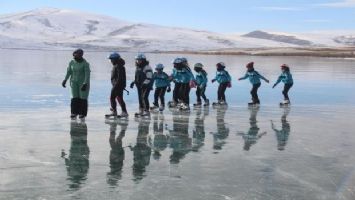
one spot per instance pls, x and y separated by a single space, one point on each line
182 77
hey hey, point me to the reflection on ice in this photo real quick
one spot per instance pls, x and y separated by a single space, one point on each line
253 135
117 153
77 162
141 151
208 153
283 134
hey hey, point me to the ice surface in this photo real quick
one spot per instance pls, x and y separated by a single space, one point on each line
302 152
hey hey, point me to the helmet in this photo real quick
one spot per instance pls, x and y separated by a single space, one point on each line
250 65
159 66
184 60
198 65
114 55
140 56
221 65
178 61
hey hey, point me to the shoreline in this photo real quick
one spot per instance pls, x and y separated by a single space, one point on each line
329 52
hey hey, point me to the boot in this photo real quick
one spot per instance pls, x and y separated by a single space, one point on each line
207 103
83 108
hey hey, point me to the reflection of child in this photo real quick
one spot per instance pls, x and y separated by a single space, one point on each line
254 78
286 78
224 80
253 134
201 82
162 85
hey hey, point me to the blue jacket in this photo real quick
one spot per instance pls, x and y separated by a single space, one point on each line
161 80
182 76
285 77
254 77
201 79
223 77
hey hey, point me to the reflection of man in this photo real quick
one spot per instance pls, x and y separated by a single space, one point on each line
253 135
77 163
117 153
141 151
283 134
198 136
222 130
159 142
180 141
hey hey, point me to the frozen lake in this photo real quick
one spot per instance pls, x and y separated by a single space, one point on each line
305 152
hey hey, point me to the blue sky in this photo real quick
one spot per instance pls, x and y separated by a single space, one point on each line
214 15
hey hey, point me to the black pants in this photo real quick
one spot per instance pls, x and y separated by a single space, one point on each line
254 93
117 94
287 88
159 94
184 93
79 106
200 92
221 91
143 97
176 92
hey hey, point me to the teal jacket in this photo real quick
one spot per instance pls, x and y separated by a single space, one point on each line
223 77
285 77
182 76
201 79
254 77
161 80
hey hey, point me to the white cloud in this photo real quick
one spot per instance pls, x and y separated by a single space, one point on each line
277 8
340 4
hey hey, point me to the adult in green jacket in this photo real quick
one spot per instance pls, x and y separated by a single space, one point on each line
79 73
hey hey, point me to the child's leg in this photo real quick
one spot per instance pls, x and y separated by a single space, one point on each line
113 100
145 98
202 93
176 91
254 93
198 94
156 96
219 92
121 101
223 91
185 93
140 98
162 96
287 88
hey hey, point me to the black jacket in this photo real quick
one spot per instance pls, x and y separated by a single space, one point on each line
118 77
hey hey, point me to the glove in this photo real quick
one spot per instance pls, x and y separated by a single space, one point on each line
213 80
168 90
229 85
267 81
132 85
64 83
84 87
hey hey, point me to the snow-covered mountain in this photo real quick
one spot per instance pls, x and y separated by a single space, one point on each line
50 28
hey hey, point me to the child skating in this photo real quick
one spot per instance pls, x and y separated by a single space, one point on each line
143 81
286 78
254 78
183 79
201 82
224 80
162 85
118 81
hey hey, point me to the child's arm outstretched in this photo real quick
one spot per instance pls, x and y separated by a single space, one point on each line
262 77
244 77
277 82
